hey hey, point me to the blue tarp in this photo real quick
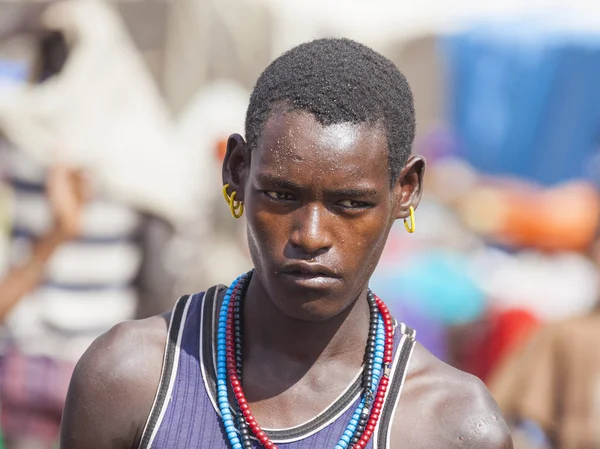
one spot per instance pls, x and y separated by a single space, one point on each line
525 99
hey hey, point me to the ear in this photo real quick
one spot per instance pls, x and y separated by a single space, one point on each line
235 165
409 186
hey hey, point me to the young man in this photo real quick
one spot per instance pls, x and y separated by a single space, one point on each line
324 172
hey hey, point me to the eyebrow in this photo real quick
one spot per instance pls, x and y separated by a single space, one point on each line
282 183
354 192
278 182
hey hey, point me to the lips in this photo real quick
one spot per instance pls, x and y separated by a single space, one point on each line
309 270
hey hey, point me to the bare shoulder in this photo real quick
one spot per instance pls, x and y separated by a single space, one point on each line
442 407
113 386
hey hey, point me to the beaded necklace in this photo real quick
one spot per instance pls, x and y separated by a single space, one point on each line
375 375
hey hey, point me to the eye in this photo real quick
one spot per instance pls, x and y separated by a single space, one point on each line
351 204
279 196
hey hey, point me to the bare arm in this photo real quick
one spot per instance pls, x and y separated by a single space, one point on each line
21 280
113 387
66 194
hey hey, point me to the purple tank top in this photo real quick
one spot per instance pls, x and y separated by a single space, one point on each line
185 412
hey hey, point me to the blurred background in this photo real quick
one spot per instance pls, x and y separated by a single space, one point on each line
113 121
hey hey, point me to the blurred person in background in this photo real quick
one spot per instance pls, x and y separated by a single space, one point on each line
30 413
549 388
75 270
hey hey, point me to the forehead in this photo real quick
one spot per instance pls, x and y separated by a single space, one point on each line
296 144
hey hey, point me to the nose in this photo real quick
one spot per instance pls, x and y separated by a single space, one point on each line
310 236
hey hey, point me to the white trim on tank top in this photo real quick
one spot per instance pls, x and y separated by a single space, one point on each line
397 355
173 373
388 437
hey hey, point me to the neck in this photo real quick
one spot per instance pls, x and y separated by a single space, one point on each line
342 338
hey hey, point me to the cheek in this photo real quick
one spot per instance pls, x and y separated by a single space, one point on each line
365 237
268 232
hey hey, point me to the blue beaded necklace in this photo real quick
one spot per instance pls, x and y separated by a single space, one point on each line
222 393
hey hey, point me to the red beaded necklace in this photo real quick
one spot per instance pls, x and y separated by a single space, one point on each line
243 403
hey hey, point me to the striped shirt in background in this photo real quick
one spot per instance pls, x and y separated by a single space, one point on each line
89 281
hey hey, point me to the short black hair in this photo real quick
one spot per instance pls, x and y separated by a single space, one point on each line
337 81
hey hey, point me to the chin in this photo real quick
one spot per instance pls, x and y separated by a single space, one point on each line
308 305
